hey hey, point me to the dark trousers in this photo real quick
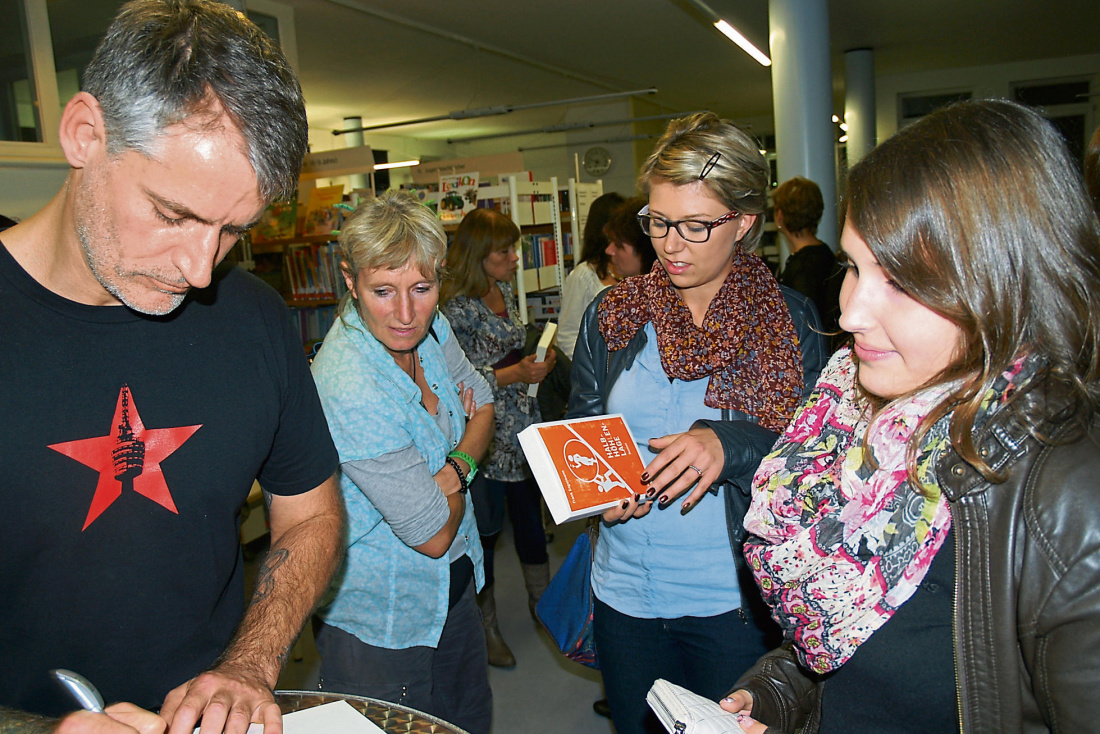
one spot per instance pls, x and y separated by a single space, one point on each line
524 505
706 655
450 681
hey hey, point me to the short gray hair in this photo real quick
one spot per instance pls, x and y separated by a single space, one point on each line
736 171
163 61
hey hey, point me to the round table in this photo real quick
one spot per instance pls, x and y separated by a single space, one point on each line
392 718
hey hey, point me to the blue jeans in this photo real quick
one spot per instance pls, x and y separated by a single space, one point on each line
706 655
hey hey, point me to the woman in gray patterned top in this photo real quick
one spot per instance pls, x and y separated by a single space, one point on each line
477 299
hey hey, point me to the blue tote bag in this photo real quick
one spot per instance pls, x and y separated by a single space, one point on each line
565 608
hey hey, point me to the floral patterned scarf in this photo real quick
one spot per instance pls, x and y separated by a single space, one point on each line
747 344
839 546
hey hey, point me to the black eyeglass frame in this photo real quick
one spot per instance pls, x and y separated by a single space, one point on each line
644 215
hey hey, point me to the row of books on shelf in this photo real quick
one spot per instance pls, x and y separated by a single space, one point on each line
313 323
539 250
314 272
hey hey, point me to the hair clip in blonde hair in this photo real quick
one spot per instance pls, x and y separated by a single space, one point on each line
709 166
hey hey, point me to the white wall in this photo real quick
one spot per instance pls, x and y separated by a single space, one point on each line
982 81
28 189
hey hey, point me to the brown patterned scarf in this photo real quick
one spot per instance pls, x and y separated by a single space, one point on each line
747 344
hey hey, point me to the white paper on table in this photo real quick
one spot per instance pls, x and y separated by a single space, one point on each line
338 717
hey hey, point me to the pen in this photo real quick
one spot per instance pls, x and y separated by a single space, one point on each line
81 689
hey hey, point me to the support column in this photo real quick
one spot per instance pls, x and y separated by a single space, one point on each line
802 90
859 102
354 140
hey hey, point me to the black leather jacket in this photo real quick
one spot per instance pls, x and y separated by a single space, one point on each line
1027 591
595 371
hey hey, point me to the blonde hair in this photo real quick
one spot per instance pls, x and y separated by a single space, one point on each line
391 231
736 171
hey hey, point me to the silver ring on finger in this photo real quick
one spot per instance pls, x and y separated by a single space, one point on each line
697 469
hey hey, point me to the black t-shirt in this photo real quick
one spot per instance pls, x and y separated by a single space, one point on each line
129 444
902 679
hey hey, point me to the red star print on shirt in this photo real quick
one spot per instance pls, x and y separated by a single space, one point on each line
127 458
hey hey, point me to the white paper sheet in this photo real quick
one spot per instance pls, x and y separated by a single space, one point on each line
338 717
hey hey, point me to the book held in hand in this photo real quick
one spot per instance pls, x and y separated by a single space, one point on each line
584 465
545 341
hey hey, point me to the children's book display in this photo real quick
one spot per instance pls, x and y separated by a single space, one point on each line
279 221
457 195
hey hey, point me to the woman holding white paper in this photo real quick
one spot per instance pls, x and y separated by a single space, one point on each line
705 356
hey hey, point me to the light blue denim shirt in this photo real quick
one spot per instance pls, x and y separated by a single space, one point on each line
387 594
665 564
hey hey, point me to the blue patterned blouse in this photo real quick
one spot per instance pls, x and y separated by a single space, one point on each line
486 339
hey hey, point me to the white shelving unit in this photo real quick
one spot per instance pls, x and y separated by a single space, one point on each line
581 196
529 215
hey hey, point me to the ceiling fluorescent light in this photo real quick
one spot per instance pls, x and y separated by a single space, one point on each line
395 164
734 35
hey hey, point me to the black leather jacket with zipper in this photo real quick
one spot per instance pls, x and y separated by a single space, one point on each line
1027 590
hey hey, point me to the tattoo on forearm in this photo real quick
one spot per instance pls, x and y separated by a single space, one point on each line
283 655
265 576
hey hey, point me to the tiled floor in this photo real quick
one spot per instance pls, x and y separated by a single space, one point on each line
543 693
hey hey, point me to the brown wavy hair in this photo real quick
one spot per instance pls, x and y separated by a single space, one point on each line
481 232
979 212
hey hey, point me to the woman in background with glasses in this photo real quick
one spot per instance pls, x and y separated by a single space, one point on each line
707 358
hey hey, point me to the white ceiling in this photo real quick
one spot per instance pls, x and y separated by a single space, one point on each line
393 60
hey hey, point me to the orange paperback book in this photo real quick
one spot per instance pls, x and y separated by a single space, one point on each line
583 466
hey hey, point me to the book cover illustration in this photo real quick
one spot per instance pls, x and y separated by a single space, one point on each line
322 214
278 221
583 466
457 195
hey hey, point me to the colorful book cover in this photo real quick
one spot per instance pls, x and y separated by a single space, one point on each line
322 216
549 251
278 221
457 195
583 466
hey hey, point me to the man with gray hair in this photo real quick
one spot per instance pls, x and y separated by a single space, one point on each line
144 388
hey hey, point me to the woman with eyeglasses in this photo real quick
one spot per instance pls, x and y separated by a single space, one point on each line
707 358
